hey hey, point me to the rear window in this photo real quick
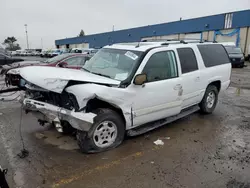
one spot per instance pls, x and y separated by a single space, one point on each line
187 59
213 54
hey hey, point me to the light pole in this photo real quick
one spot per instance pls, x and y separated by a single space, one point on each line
25 25
42 43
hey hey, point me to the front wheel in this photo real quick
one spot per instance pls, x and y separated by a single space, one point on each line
107 132
209 100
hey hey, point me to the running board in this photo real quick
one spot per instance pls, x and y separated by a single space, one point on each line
153 125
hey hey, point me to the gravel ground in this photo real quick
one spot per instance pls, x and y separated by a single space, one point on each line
198 151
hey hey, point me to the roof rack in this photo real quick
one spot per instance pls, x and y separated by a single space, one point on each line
177 41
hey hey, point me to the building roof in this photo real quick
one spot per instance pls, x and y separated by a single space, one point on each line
195 25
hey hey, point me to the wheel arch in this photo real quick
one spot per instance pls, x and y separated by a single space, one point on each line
96 103
217 84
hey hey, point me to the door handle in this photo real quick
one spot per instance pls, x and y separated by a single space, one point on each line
177 87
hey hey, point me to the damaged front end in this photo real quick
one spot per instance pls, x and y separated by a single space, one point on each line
55 108
52 96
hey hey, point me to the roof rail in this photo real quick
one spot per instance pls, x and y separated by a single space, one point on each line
176 41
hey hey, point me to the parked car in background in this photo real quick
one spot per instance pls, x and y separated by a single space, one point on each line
107 99
6 60
89 51
236 56
65 50
13 53
76 50
71 61
56 52
33 53
29 53
18 52
37 53
42 54
48 53
23 53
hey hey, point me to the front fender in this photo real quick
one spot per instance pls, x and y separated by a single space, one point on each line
118 97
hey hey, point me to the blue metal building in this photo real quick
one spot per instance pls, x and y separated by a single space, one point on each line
240 19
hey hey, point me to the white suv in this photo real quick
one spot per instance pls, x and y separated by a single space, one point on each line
128 89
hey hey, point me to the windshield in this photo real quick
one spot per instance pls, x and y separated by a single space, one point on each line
233 50
56 59
113 63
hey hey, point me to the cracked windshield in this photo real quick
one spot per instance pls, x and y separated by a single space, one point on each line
125 94
111 63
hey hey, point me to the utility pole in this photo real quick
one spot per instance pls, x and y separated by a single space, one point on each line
26 31
42 43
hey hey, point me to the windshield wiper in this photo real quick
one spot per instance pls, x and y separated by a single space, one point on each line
101 74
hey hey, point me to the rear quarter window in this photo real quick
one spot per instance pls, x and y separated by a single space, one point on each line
213 54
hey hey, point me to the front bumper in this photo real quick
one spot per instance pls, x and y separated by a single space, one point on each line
237 61
51 113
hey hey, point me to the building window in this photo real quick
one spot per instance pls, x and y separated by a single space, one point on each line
228 20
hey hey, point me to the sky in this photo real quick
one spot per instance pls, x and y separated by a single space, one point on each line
49 20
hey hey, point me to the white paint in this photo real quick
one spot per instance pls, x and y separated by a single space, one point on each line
159 142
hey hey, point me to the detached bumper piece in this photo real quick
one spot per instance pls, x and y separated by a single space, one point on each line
54 114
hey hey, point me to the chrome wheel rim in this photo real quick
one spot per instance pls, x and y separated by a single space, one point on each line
210 99
105 134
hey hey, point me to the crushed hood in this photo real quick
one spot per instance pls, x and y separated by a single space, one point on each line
55 79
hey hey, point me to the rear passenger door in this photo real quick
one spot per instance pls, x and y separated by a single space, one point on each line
190 75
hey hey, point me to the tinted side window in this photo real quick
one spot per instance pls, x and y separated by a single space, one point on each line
213 54
187 59
161 66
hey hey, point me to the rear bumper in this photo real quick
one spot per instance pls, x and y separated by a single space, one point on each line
51 113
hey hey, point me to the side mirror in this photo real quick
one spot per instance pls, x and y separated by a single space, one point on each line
62 64
140 79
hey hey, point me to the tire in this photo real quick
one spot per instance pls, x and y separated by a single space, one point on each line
92 141
207 107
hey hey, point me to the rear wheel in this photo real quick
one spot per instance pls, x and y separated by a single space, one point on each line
209 100
106 133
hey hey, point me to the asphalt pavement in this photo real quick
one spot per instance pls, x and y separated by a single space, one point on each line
198 151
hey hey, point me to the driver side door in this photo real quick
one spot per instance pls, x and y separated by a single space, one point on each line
161 95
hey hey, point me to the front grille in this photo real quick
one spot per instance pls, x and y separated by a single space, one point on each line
235 60
64 100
